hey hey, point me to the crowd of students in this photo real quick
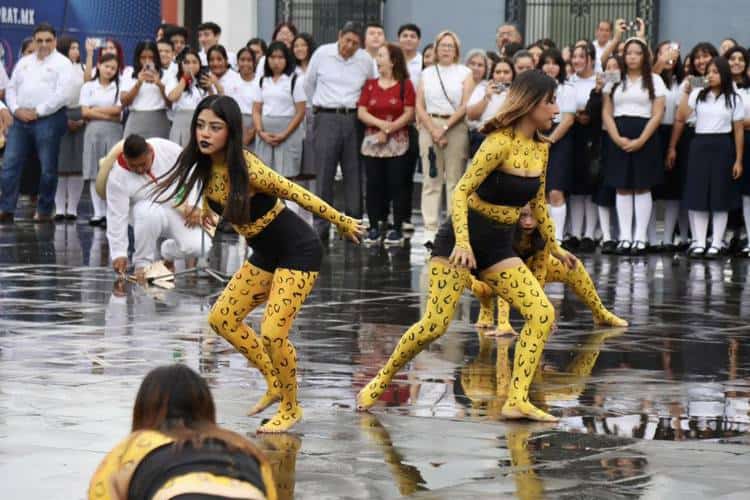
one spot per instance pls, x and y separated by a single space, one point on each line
642 131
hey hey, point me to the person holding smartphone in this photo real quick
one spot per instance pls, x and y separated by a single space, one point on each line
632 112
184 92
143 92
715 159
486 100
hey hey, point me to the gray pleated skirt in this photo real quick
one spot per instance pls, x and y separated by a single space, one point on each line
148 124
286 158
247 122
180 132
70 157
99 138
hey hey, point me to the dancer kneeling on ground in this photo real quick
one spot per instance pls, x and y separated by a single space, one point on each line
508 172
136 165
529 244
176 449
286 251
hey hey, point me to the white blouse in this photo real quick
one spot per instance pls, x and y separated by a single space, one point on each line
632 99
188 101
93 94
278 98
671 103
583 88
245 93
493 106
745 94
75 84
712 115
565 95
453 77
149 96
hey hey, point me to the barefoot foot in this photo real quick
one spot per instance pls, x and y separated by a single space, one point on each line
284 419
519 410
267 400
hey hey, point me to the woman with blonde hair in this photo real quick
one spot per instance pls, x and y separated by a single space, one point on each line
507 172
442 94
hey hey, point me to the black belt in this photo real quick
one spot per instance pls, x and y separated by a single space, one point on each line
444 117
339 111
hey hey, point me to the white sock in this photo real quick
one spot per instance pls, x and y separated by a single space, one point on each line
604 222
100 206
61 195
700 227
684 224
624 205
651 231
558 217
75 188
643 207
671 213
719 228
591 218
577 213
746 214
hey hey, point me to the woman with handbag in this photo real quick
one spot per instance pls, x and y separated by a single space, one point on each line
441 105
386 107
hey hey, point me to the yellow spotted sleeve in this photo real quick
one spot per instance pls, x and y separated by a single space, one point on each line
265 180
499 213
493 152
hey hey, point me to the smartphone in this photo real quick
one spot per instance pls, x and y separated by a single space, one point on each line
98 42
611 77
632 26
203 71
500 87
698 82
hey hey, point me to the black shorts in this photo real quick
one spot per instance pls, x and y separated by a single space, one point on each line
491 241
288 242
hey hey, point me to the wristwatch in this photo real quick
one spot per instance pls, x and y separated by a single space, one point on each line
445 127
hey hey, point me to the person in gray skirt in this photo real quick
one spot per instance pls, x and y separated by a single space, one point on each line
143 93
184 92
278 113
100 107
69 180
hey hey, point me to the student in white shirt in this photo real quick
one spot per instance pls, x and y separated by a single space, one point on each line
560 167
246 93
486 100
131 201
70 157
603 35
209 34
374 39
285 32
36 95
303 48
100 107
632 112
221 76
668 66
715 160
441 108
739 64
184 92
167 58
111 46
142 91
333 82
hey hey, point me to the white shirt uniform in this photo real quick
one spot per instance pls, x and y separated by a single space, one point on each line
3 77
493 106
335 82
278 98
40 84
2 105
149 96
130 201
188 101
453 78
231 57
745 94
712 115
583 88
94 94
634 100
75 85
565 95
691 119
599 51
415 69
671 103
245 93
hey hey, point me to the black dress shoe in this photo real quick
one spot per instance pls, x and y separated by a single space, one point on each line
587 245
609 247
59 217
572 244
638 248
100 222
623 248
70 217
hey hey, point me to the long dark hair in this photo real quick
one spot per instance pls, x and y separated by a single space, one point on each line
307 37
676 74
726 87
503 60
64 43
142 46
556 56
222 51
286 24
527 90
106 58
120 53
180 59
647 81
745 81
193 167
288 57
706 47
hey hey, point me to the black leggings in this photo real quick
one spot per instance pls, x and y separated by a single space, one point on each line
387 183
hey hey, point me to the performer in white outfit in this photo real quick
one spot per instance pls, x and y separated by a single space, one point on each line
130 200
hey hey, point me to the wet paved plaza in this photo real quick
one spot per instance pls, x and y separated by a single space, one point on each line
658 411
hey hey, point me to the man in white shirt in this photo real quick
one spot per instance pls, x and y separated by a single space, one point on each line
130 200
36 96
208 35
333 82
603 36
374 39
507 33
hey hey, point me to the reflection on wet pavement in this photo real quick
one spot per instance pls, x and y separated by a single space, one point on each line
660 410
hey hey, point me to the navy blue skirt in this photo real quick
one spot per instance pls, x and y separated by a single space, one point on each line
745 179
674 180
583 179
642 169
560 165
709 185
604 195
